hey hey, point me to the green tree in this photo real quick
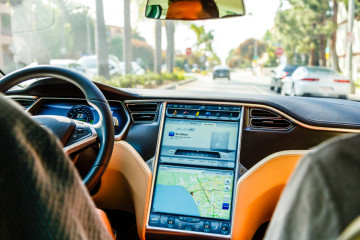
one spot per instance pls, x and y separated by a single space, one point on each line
157 61
127 38
143 53
271 44
116 47
101 41
333 54
305 28
82 29
243 55
204 43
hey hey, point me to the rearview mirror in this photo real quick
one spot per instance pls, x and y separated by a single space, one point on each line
194 9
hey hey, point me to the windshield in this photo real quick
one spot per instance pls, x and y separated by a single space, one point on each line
117 45
290 68
320 70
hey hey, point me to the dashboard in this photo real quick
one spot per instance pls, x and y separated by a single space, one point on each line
199 144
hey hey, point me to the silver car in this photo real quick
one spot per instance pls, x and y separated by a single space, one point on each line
316 81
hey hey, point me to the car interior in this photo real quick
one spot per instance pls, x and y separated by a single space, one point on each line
147 156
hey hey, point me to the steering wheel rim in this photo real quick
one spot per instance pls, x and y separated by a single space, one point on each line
94 97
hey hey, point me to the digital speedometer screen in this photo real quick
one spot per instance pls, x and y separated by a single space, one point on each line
81 113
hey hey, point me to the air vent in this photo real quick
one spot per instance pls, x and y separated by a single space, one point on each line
25 102
256 112
265 119
143 112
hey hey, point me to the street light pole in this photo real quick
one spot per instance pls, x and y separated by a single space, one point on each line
350 36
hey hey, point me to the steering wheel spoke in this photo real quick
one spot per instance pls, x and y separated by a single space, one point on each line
74 135
83 135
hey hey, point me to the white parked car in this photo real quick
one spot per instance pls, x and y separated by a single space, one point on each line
91 61
72 65
135 68
68 64
316 81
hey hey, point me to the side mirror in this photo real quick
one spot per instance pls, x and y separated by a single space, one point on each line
194 9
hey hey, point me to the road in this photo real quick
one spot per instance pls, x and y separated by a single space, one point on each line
241 83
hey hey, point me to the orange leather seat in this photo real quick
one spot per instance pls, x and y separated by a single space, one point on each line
258 192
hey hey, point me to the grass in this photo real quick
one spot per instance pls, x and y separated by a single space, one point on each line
357 82
149 80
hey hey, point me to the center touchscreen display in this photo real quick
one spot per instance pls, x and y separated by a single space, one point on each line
196 166
199 142
193 192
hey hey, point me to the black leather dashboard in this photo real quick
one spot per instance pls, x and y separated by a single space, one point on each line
256 143
334 113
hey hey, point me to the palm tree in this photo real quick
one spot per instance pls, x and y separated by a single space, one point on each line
127 38
158 55
170 50
333 54
204 40
101 43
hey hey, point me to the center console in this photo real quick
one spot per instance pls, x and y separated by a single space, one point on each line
195 171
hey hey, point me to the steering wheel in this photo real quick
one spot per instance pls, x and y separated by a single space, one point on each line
74 135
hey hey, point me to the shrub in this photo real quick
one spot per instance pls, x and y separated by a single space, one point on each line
357 82
148 80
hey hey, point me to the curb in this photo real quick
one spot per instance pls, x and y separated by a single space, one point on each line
172 86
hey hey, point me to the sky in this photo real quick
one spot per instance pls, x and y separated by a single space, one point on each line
228 33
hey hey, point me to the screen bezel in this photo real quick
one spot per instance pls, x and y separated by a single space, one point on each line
155 167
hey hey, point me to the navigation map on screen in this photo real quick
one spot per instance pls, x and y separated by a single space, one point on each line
194 192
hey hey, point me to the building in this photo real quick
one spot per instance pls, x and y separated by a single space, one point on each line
6 56
342 40
115 31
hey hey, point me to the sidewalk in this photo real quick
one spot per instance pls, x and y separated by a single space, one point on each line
175 85
356 96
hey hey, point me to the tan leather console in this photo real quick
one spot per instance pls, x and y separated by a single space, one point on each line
258 192
126 184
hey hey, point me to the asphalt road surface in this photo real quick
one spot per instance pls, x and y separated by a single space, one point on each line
241 83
